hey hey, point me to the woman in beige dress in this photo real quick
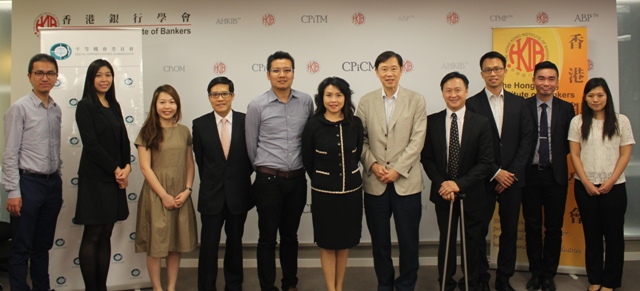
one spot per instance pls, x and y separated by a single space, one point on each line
166 224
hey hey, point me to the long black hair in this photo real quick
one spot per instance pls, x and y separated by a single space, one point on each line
89 93
348 109
610 127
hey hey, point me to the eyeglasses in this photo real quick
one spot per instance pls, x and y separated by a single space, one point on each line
393 69
286 71
496 70
216 95
41 74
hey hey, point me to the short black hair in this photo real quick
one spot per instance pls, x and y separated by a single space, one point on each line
220 80
280 55
545 65
454 75
42 58
493 55
383 57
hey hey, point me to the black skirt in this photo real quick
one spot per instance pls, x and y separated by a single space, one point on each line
337 219
100 202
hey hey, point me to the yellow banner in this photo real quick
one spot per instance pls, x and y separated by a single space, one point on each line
567 48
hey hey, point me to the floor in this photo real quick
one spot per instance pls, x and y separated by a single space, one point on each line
363 278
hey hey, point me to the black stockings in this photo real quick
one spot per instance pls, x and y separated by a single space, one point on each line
95 254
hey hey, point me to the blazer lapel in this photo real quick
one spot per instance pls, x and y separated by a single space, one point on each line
555 113
215 136
379 107
399 106
236 133
487 108
466 130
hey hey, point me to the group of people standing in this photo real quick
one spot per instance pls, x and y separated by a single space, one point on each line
495 146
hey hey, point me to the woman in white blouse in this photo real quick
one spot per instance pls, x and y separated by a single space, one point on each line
600 141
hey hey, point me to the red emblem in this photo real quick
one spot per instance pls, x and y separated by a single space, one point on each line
590 65
407 67
219 68
542 18
357 18
313 67
524 53
44 20
268 20
453 18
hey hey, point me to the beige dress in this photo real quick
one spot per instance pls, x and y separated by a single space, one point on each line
158 230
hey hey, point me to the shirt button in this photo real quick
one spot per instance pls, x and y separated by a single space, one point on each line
340 174
387 163
339 164
338 144
337 135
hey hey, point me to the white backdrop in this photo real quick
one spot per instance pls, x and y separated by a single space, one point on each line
187 43
75 49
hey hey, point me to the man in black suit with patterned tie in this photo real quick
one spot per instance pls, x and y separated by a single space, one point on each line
225 182
457 156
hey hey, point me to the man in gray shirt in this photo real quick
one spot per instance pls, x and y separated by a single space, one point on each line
31 175
273 130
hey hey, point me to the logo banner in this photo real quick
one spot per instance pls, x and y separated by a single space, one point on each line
566 47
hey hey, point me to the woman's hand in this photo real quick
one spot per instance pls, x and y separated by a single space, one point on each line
168 201
182 197
606 187
592 190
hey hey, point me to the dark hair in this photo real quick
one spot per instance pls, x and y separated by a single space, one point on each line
220 80
493 55
610 127
383 57
89 93
545 65
454 75
280 55
42 58
151 131
348 109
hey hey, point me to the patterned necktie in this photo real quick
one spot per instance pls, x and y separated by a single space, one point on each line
225 137
543 150
454 149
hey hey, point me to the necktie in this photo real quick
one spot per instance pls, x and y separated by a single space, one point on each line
454 149
225 136
543 150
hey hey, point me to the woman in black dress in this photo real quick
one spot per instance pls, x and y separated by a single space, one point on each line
102 174
331 148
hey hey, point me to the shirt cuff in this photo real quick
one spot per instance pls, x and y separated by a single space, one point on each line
14 194
494 175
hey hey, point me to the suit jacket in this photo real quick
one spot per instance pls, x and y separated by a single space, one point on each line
511 151
222 180
561 114
397 147
101 153
476 157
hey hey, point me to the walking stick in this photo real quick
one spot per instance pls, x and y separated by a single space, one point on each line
446 252
464 241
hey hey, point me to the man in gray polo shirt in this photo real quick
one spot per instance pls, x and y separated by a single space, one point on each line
31 175
273 130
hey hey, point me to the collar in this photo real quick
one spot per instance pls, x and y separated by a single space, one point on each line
394 96
36 101
459 114
489 94
219 118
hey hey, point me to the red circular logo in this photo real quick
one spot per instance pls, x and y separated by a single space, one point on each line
219 68
44 20
268 20
525 52
453 18
542 18
590 64
358 18
407 67
313 67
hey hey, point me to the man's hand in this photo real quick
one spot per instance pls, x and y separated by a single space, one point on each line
14 205
500 189
379 171
505 178
391 176
448 190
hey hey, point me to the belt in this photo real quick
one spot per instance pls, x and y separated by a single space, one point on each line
283 174
38 175
542 167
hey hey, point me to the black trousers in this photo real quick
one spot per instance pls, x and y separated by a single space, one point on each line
603 216
280 202
543 203
208 259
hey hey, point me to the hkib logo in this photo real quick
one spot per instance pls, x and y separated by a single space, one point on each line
44 20
268 20
542 18
219 68
314 19
60 51
174 69
585 17
358 19
227 21
129 119
407 67
58 83
313 67
117 257
132 196
524 51
365 66
74 182
76 261
135 272
59 242
61 280
128 81
590 64
74 141
73 102
500 18
453 18
132 236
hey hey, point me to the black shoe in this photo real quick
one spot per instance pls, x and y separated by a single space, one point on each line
548 284
502 284
534 283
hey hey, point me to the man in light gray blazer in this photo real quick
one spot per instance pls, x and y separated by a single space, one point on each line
395 124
